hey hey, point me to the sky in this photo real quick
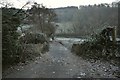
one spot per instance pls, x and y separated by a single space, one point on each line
58 3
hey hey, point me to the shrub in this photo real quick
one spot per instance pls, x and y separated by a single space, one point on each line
10 46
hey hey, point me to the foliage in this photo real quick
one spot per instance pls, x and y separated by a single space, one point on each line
42 18
33 38
90 19
97 47
10 47
13 50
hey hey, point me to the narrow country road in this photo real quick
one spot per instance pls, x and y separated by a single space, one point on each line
59 62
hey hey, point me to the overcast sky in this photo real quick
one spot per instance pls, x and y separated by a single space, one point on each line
59 3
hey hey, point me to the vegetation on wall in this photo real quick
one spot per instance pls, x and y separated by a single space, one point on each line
10 47
12 18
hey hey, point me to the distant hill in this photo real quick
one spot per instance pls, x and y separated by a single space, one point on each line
86 20
65 14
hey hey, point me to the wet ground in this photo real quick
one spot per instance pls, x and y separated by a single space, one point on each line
59 62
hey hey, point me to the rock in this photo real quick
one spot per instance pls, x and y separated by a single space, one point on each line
82 73
45 47
76 48
53 72
78 77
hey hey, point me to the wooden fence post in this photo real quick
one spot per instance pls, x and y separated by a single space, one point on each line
114 31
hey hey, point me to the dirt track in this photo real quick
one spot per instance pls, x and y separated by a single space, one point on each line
59 62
